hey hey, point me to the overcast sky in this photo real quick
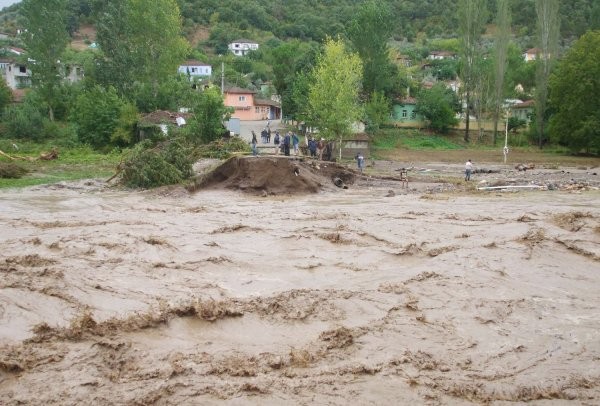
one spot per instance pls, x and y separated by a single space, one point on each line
6 3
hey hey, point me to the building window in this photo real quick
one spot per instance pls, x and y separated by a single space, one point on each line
22 69
404 113
413 115
242 98
257 109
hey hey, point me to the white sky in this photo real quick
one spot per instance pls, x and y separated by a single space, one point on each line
6 3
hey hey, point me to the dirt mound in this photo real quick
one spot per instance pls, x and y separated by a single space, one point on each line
275 175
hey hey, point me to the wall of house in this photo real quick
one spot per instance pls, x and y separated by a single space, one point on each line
243 104
405 115
195 70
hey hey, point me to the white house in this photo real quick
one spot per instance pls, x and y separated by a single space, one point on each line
195 69
439 55
241 47
16 75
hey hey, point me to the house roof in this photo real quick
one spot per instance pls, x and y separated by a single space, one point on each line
524 105
265 102
442 53
192 62
244 41
163 117
407 100
16 50
238 90
533 51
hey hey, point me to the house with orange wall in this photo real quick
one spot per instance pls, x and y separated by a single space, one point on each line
247 106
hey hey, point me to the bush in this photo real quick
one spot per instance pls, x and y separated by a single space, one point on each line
23 121
96 114
11 170
223 148
157 165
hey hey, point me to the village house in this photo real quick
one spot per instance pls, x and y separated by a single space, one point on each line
249 107
523 111
533 54
195 69
16 75
241 47
439 55
404 113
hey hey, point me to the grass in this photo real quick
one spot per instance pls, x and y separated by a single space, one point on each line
73 163
413 146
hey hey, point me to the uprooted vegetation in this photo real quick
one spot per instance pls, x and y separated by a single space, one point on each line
170 162
11 170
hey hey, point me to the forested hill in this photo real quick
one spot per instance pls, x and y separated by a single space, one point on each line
314 19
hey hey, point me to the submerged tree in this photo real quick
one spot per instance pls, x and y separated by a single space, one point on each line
548 33
333 96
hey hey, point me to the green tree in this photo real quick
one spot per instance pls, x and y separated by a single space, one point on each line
96 114
501 43
574 89
5 95
377 111
25 120
208 114
472 16
548 32
333 96
370 32
141 42
438 106
46 39
289 60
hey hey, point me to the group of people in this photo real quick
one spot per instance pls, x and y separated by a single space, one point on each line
286 143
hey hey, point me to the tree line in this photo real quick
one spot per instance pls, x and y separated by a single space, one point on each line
141 46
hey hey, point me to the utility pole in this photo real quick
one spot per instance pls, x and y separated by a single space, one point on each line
222 77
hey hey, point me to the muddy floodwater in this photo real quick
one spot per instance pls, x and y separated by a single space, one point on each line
347 296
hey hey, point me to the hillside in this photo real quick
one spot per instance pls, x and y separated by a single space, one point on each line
214 23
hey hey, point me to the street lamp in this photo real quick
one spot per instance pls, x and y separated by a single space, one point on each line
505 149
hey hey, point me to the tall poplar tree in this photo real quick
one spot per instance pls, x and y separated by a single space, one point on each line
472 15
333 95
46 38
141 42
370 31
500 61
548 32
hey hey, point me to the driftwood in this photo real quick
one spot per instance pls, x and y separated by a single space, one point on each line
524 167
44 156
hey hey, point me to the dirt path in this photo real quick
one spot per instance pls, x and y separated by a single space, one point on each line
346 296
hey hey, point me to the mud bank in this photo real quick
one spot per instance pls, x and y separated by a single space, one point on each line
353 296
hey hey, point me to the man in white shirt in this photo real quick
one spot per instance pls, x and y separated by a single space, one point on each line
468 169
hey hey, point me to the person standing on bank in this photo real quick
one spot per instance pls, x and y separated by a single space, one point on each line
360 160
286 144
254 146
295 142
276 141
468 170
